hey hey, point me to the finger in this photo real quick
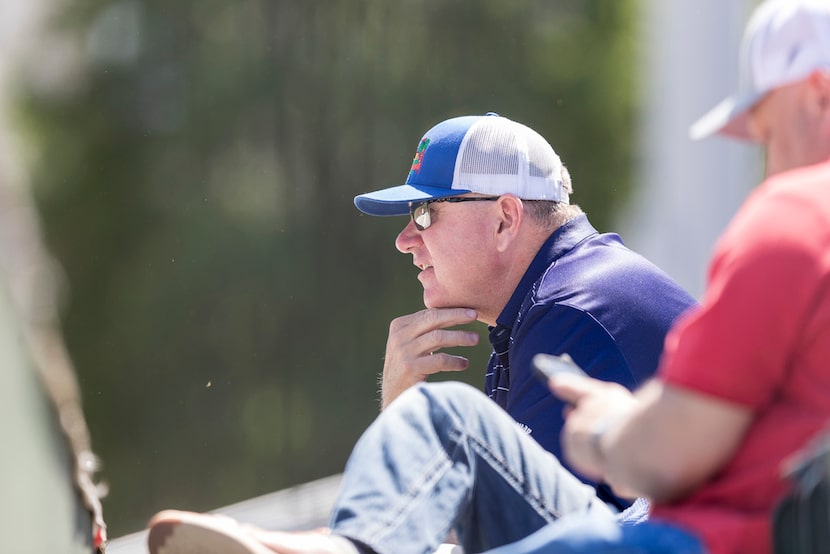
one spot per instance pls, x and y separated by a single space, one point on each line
440 318
407 328
446 338
571 388
439 362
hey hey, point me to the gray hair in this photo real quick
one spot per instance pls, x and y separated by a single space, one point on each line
550 214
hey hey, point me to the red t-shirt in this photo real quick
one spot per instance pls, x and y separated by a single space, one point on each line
761 339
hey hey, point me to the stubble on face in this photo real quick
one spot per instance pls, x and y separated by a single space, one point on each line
459 256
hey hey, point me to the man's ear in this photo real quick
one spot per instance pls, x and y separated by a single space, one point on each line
820 86
511 215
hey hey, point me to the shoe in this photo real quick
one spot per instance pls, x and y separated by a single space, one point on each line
176 532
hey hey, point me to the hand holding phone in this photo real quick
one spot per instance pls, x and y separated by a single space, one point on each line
548 365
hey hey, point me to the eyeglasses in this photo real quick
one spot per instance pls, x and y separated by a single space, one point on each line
419 211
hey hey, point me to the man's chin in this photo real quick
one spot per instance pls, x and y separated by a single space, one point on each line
430 302
438 303
438 297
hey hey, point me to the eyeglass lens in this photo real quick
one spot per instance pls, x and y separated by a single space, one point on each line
420 216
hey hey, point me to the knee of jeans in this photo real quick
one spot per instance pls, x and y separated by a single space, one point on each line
448 391
448 397
448 407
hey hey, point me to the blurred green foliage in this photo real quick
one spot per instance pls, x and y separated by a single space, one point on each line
228 305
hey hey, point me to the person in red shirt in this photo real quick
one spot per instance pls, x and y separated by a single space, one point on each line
744 383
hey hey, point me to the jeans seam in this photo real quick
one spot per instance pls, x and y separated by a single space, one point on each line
494 461
515 481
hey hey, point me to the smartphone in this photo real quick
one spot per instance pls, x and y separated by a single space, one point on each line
548 365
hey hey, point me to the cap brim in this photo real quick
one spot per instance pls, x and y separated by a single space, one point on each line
729 118
395 200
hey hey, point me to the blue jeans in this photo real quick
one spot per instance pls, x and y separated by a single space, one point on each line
578 534
444 456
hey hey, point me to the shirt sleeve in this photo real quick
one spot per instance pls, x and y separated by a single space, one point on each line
763 282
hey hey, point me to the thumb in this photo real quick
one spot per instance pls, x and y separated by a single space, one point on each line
570 388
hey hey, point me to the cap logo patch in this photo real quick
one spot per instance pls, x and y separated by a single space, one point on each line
419 156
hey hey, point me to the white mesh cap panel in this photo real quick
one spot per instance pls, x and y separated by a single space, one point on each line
499 156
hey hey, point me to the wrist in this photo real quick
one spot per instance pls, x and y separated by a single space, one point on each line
597 437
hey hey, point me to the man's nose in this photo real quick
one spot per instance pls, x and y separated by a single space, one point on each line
408 239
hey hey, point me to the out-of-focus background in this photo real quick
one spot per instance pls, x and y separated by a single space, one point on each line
193 164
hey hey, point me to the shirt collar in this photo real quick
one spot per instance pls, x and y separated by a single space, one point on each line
558 244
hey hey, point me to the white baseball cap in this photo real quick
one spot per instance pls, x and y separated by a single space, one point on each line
487 154
784 41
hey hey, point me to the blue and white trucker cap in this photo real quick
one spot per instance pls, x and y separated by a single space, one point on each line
486 154
784 41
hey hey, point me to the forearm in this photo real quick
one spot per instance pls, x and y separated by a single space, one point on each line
671 442
631 461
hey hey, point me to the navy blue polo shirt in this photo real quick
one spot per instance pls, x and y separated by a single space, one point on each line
588 295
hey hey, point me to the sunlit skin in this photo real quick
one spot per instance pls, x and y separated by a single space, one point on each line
454 256
793 124
471 258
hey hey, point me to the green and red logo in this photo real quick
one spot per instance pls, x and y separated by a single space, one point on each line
419 156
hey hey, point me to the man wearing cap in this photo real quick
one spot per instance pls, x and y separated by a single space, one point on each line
745 381
496 240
